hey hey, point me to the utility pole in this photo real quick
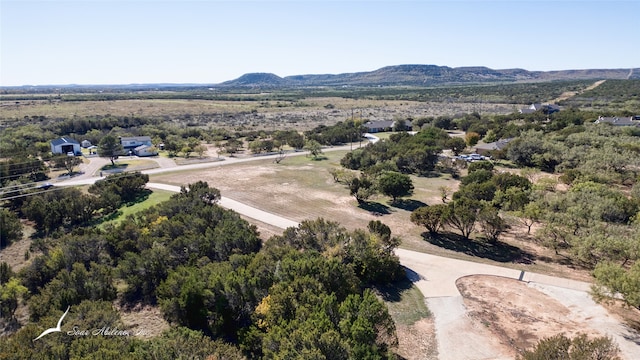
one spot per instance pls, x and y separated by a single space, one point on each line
351 133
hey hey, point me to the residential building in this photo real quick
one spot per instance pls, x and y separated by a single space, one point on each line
130 143
382 126
145 150
65 145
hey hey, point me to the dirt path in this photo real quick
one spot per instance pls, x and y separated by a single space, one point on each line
570 94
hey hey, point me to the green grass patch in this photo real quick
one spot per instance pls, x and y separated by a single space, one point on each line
405 302
121 166
156 197
131 164
325 160
383 135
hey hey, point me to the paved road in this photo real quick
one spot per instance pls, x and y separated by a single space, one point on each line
434 275
89 171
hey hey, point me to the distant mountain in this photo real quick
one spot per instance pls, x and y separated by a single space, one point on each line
428 75
258 79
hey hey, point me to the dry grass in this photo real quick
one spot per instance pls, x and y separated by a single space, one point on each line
14 254
259 115
144 321
300 188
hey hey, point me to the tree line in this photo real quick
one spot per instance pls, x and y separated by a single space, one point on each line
308 292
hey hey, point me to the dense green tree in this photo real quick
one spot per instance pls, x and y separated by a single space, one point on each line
340 133
612 279
477 176
432 217
463 215
110 147
71 287
6 272
366 321
362 188
127 186
456 145
395 184
491 222
184 343
232 146
62 208
401 152
560 347
173 144
10 227
319 234
372 257
480 165
314 148
143 273
11 292
22 167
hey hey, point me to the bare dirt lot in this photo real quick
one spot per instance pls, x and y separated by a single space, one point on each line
520 314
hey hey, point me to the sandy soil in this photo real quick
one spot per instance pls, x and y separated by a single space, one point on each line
518 314
417 341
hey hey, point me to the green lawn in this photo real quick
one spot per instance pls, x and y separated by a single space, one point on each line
131 165
156 197
405 302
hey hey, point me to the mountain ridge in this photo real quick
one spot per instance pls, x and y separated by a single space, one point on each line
428 75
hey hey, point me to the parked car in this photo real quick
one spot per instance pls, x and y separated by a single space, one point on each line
45 186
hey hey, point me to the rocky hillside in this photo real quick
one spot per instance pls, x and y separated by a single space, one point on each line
428 75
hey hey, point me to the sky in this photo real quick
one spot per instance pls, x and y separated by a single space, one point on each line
53 42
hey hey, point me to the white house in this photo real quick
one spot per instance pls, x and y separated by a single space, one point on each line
65 145
130 143
85 143
382 126
145 150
